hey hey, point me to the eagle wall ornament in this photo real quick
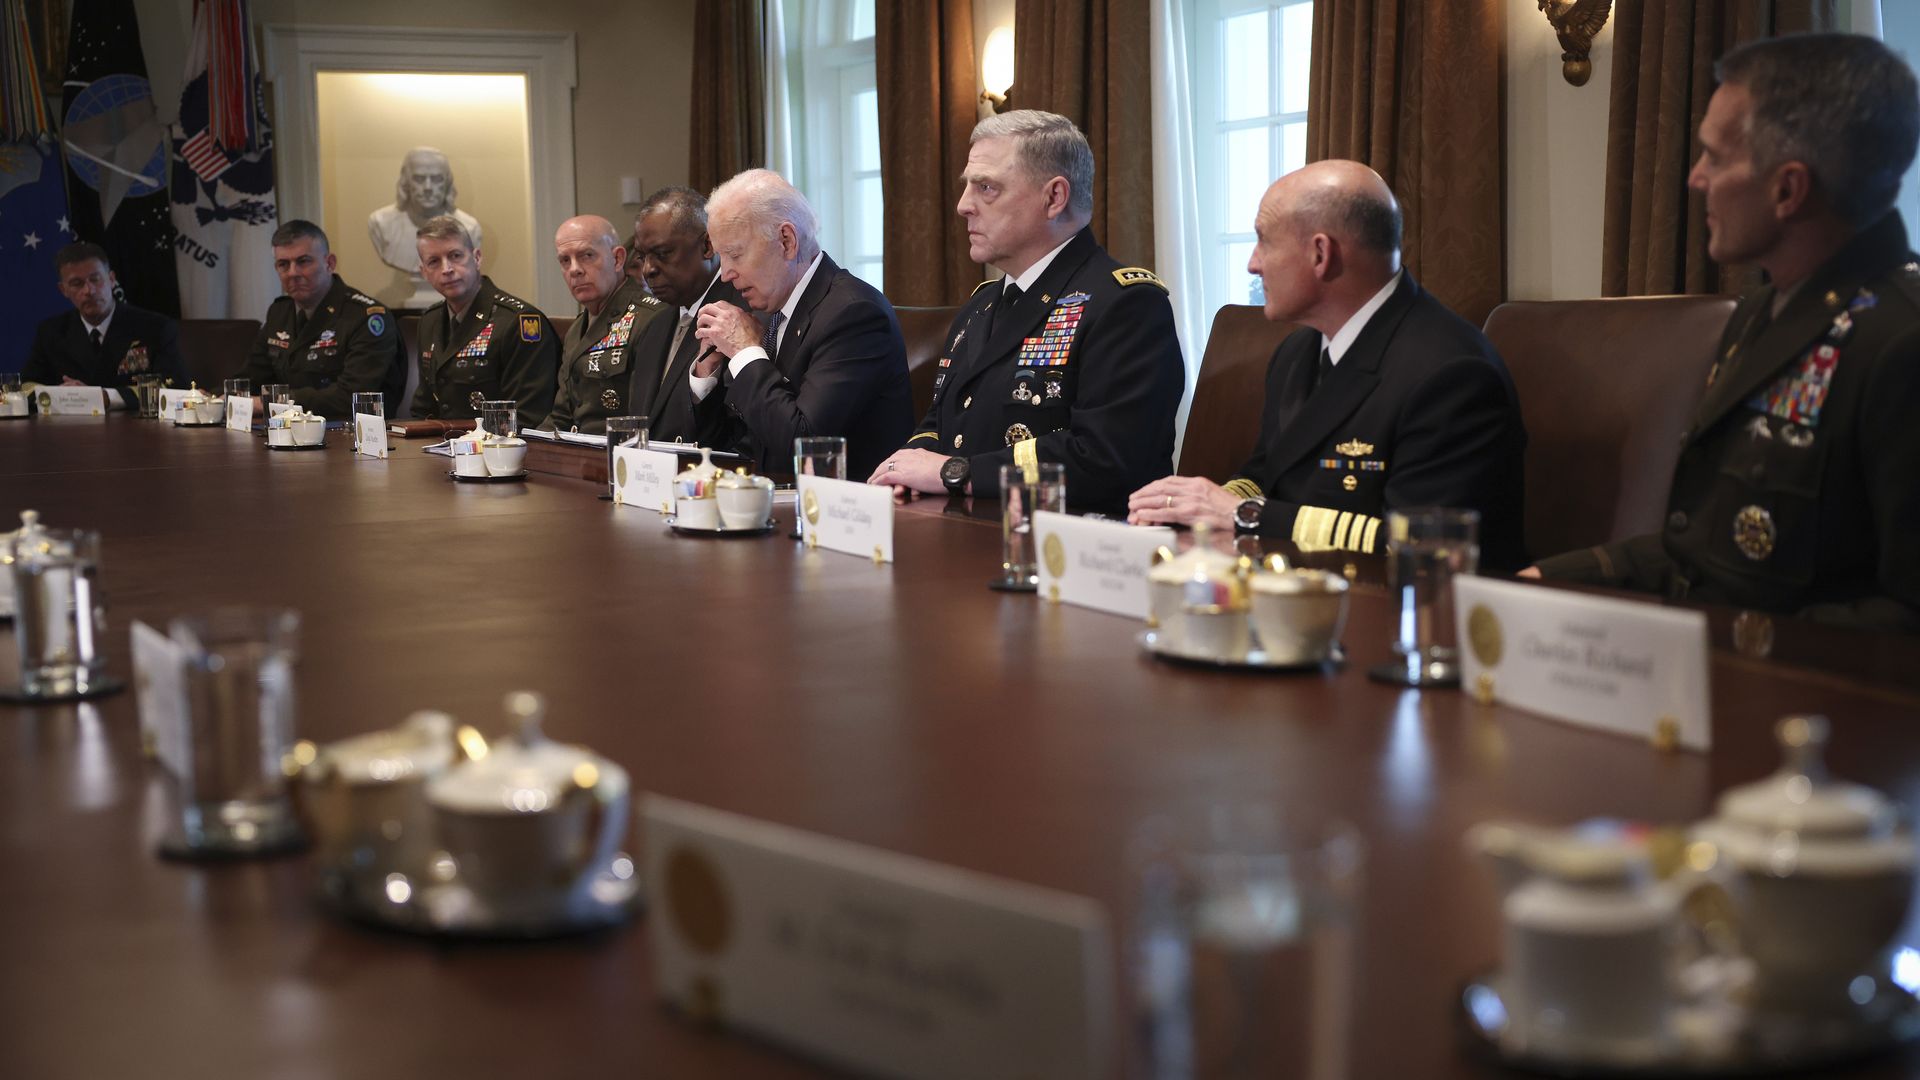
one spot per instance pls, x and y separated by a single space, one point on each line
1576 22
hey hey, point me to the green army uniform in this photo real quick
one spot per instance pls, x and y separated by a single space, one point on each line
349 345
502 348
597 357
1795 491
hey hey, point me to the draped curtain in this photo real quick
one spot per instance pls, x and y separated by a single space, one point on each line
1663 54
729 92
929 87
1416 90
1088 61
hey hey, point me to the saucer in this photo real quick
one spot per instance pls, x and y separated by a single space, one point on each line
690 530
1255 660
449 909
102 687
296 446
507 479
209 423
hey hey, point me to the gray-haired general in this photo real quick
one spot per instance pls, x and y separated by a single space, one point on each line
828 358
480 342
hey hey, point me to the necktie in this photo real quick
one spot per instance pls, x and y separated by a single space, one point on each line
1005 305
98 337
1326 367
673 350
772 337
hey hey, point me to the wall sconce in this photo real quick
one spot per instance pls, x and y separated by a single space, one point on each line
1576 22
996 71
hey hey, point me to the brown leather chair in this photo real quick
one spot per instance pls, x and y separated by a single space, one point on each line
1606 387
1224 421
215 350
925 330
561 324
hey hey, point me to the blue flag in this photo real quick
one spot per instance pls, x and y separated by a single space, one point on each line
33 193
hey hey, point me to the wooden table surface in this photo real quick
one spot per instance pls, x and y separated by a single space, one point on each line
903 706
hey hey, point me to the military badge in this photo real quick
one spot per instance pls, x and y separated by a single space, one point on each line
1753 532
1841 328
1053 389
376 324
1797 436
947 361
280 340
475 400
1018 433
956 343
1759 428
313 354
326 338
135 361
1350 482
593 364
1864 301
1355 448
1074 299
1799 395
1138 275
1020 391
529 328
480 343
610 399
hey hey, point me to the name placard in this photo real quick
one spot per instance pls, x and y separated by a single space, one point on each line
644 478
874 962
1097 564
1618 665
846 515
372 435
159 680
170 402
71 401
275 408
239 412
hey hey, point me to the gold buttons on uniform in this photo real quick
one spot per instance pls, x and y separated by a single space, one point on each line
959 441
968 403
1350 482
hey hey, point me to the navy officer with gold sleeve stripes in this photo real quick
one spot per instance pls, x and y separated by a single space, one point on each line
1386 400
479 343
1071 358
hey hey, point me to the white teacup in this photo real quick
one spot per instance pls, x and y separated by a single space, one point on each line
697 513
308 431
1298 614
747 506
468 464
13 403
1213 632
279 435
507 457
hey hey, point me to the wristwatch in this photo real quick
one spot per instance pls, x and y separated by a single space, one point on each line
1246 516
955 472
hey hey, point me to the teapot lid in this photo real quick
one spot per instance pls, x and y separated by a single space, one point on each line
1801 797
422 745
1201 561
29 525
524 772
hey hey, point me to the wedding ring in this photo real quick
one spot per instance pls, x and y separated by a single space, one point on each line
890 466
1169 502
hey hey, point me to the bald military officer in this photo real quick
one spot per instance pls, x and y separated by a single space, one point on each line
596 358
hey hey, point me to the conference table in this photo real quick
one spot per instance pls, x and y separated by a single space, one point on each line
902 706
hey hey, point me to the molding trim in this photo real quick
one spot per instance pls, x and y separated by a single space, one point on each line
295 53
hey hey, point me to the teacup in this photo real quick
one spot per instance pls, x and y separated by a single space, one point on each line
468 463
697 511
308 430
279 434
364 799
1298 614
13 403
747 503
505 457
1214 632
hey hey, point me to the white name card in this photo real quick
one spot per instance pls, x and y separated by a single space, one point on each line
159 681
275 408
1624 666
644 478
874 962
1097 564
170 402
372 431
72 401
846 515
239 412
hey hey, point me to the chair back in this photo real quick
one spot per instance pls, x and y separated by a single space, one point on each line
215 350
1224 422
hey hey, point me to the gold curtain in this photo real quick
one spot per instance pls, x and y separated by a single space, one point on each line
929 86
1663 53
729 91
1416 90
1088 61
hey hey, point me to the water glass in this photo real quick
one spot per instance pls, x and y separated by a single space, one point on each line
272 394
1022 493
146 390
817 455
366 403
1245 945
59 612
238 678
501 418
1426 549
629 431
239 388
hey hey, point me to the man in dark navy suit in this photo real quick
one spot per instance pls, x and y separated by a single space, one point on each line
1385 400
828 360
101 342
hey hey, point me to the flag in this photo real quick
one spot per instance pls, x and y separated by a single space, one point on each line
116 151
224 211
33 192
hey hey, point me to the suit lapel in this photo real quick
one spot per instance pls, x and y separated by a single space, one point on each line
1012 325
790 344
1346 387
682 358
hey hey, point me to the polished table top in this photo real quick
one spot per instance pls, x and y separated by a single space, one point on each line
903 706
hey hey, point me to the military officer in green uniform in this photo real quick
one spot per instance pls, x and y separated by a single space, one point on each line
1796 487
596 359
1070 358
322 338
480 343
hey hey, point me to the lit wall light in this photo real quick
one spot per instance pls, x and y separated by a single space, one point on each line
996 70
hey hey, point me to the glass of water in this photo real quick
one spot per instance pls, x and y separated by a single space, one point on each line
1245 945
59 612
366 403
1426 549
239 388
628 431
146 390
816 455
1022 493
502 418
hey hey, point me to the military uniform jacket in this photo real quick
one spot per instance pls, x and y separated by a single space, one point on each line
1085 365
596 360
349 346
1798 484
502 348
137 342
660 390
1418 412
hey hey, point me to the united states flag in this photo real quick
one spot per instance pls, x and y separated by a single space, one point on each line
204 156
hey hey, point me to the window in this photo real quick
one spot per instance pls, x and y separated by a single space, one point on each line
1249 126
836 126
1900 24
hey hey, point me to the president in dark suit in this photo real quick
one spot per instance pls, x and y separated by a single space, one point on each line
1385 401
100 342
677 262
829 359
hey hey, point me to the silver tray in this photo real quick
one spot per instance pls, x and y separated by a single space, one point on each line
1712 1039
451 910
689 530
508 479
1255 660
293 446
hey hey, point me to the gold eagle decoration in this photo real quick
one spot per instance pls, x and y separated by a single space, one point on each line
1576 22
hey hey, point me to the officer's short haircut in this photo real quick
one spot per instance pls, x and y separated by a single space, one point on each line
445 227
1844 105
685 207
300 229
76 253
764 200
1048 145
1370 222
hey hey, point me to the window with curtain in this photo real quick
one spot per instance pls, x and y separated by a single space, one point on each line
835 125
1251 59
1900 29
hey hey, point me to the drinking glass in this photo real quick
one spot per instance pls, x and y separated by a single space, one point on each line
146 390
1426 549
816 455
502 418
627 431
366 403
59 613
272 394
239 388
1022 493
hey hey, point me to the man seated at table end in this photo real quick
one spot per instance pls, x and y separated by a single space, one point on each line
101 342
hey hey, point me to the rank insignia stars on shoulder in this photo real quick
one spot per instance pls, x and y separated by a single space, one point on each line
1138 275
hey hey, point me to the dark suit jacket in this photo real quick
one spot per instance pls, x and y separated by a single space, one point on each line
1420 412
841 370
660 391
61 349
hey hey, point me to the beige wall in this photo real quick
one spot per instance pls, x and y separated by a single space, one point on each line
1556 162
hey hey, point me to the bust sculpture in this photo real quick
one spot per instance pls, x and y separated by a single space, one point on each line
424 190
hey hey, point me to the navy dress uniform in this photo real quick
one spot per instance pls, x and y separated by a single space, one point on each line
136 342
596 360
350 345
502 348
1796 488
1083 369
